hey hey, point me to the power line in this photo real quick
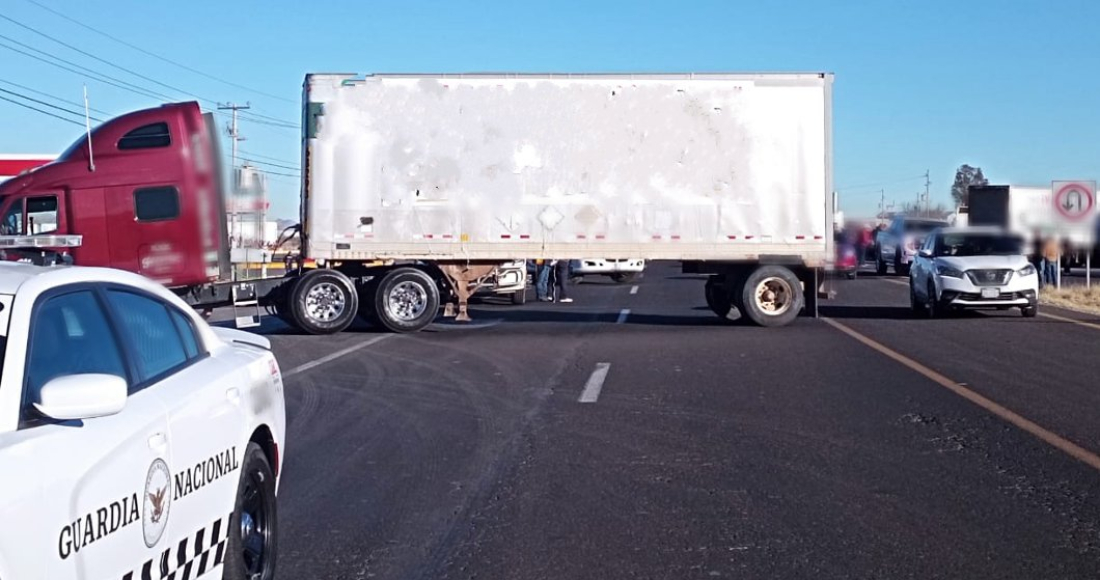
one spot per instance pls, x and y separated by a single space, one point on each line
86 72
880 183
54 97
52 106
25 106
271 120
282 174
157 56
251 154
83 71
248 159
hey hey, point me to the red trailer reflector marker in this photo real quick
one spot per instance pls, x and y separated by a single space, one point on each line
524 236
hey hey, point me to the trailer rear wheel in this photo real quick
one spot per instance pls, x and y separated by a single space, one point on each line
281 304
624 277
718 298
324 302
772 296
406 300
519 297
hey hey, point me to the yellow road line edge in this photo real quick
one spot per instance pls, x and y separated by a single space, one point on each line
1072 320
1049 437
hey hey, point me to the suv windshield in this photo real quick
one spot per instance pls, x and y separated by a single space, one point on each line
979 245
922 227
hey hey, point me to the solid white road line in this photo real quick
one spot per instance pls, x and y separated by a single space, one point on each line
622 315
326 359
595 383
634 290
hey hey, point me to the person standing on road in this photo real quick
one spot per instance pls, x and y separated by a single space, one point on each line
863 244
561 280
1050 261
542 280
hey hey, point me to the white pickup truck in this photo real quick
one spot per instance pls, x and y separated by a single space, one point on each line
897 245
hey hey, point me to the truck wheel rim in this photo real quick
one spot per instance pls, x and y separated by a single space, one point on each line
774 296
407 301
325 302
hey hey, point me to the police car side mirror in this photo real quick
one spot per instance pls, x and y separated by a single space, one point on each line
84 396
925 253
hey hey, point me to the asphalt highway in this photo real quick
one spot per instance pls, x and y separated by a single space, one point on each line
632 434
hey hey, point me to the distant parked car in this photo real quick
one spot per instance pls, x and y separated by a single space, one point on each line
847 260
621 270
897 245
973 268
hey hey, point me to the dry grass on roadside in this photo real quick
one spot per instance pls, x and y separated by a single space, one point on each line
1074 297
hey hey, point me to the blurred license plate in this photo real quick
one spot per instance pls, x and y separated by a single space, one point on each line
991 292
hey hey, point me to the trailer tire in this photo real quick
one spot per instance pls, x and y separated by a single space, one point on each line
519 297
772 296
406 300
718 298
324 302
366 301
624 277
281 303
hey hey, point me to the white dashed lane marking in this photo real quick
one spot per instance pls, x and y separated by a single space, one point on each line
595 383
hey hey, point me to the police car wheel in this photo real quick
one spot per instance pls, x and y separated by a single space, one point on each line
252 529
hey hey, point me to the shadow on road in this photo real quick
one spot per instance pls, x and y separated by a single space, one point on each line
866 312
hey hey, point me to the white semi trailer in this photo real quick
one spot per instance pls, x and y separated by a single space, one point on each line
421 183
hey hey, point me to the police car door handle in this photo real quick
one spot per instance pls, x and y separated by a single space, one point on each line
233 394
158 442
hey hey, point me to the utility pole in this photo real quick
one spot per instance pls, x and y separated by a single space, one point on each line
232 130
881 204
927 198
235 233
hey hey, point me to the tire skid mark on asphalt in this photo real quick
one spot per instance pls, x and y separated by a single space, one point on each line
1049 437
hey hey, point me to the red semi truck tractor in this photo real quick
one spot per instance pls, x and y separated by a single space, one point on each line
149 199
418 190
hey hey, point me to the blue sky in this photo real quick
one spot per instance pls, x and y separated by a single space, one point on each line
1010 86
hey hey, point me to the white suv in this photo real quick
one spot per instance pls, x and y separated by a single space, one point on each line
972 268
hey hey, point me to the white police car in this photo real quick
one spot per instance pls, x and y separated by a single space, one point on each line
135 440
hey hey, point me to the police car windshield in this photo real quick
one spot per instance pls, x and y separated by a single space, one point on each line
979 245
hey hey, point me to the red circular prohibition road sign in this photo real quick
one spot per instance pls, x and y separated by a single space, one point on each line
1074 201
